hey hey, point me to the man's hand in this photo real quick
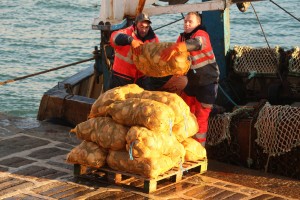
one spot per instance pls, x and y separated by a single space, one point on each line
167 53
136 46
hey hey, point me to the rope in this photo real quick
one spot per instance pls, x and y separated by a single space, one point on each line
170 125
130 150
262 30
249 159
252 74
169 24
42 72
185 124
182 169
285 11
228 97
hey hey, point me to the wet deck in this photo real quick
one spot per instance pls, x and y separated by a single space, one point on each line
32 166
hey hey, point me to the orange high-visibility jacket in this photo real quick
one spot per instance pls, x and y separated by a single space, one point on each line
123 63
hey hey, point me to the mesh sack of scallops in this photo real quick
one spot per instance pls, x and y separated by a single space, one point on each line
103 131
150 167
116 94
88 154
150 63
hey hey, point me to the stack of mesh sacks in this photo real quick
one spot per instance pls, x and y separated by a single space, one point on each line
137 131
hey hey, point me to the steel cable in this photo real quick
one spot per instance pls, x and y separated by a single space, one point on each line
262 30
169 24
42 72
285 11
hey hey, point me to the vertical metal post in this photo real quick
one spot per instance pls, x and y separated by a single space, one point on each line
218 27
105 68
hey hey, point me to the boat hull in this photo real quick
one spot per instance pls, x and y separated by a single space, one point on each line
71 100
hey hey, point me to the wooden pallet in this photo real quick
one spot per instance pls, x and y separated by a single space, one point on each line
150 185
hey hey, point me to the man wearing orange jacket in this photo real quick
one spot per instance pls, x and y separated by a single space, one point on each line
200 92
124 70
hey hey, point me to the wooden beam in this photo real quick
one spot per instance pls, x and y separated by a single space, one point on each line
140 7
242 1
183 8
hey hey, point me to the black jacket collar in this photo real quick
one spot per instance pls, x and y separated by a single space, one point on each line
149 36
186 36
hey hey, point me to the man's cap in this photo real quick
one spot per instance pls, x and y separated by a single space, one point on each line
142 17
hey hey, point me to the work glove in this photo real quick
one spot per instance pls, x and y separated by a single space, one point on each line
167 53
136 46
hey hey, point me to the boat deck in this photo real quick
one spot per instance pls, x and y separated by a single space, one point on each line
32 166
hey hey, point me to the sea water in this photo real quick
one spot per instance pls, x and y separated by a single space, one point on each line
37 35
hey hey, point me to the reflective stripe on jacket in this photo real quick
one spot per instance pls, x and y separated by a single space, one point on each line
204 56
204 69
123 63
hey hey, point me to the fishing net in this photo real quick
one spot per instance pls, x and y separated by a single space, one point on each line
278 129
219 126
294 62
293 68
256 61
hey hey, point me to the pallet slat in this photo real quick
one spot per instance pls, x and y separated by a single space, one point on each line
150 185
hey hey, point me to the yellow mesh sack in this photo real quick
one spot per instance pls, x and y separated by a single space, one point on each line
103 131
178 105
146 167
186 128
143 142
194 150
150 63
105 99
88 154
154 115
